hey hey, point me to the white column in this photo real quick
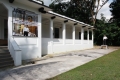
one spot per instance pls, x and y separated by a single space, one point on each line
40 34
64 33
82 35
51 28
73 34
9 26
51 34
92 35
88 35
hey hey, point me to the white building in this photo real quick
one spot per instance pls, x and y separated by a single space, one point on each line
49 32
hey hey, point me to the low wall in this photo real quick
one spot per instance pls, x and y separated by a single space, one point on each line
29 46
56 45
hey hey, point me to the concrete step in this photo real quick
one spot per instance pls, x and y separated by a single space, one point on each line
5 55
5 50
6 60
6 63
6 66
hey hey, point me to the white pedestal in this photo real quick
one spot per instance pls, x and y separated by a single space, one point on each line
102 46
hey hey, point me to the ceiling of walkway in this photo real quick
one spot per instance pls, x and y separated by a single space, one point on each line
57 23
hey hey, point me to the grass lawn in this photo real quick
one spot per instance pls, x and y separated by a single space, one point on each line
104 68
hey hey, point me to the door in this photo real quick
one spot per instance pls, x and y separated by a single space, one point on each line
4 39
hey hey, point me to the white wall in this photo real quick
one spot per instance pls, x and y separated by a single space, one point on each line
60 29
58 48
46 29
77 30
68 32
57 45
46 46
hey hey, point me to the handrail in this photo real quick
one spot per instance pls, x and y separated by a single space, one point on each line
15 52
15 45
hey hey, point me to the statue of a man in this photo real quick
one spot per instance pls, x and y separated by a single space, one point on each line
104 39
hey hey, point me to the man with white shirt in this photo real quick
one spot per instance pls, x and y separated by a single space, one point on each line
104 39
26 30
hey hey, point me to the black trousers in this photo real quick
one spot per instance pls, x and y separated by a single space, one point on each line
25 33
104 42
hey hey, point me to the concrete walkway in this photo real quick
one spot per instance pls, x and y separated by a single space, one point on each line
53 66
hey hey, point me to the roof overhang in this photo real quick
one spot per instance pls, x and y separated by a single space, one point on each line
33 3
61 17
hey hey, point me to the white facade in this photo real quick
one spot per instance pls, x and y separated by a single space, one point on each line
70 37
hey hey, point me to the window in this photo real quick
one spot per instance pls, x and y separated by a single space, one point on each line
25 23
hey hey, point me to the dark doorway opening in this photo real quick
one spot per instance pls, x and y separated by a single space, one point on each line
3 25
56 32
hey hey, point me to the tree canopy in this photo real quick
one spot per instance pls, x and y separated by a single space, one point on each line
115 8
110 29
82 10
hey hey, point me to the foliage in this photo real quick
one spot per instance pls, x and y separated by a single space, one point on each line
115 8
82 10
111 30
104 68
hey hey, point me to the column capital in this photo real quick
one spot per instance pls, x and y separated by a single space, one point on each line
65 21
83 26
75 23
53 17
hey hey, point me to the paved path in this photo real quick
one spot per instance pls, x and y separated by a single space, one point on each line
51 67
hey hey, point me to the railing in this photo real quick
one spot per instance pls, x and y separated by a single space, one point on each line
15 52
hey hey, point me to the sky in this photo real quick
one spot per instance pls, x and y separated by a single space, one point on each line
105 9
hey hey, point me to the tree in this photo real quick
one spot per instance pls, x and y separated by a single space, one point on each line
115 8
103 18
105 28
82 10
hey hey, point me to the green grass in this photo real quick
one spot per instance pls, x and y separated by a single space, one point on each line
104 68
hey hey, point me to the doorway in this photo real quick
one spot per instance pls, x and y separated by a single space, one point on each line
56 32
3 25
